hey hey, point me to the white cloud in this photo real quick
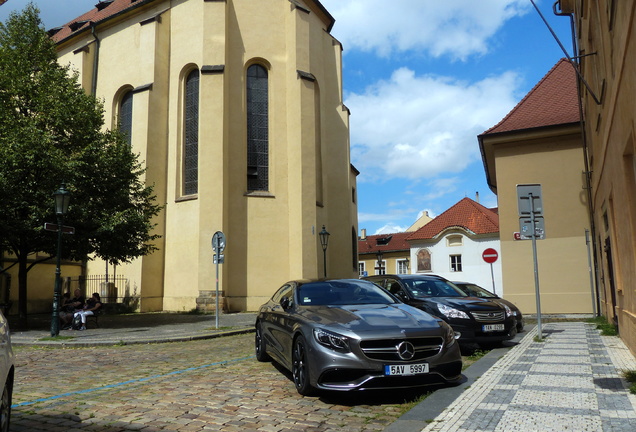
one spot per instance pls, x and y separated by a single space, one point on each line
390 229
422 126
456 28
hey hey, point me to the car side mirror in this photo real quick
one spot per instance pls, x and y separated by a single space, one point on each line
285 303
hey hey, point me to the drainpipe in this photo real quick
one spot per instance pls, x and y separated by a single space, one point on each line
588 173
95 59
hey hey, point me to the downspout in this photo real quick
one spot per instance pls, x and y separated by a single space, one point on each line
588 173
95 59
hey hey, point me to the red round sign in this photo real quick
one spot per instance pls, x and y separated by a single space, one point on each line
490 255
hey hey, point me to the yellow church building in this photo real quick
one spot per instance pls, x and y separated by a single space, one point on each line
236 108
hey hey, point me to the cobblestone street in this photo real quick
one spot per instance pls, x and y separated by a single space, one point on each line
186 386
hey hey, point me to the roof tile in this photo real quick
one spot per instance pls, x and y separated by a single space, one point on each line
466 214
553 101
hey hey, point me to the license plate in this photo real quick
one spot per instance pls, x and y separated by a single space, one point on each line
412 369
493 327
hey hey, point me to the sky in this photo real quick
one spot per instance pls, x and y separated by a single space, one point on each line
422 79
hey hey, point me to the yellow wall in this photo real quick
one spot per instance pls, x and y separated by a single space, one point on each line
555 161
606 28
272 236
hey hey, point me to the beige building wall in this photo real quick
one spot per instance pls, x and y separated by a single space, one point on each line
554 160
605 29
272 236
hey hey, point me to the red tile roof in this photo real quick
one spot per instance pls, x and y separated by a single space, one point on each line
466 214
553 101
394 242
106 9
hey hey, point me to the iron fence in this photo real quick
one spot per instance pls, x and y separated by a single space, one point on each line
111 289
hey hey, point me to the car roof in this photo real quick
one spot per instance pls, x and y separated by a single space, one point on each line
409 276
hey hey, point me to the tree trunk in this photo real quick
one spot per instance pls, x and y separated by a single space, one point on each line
22 289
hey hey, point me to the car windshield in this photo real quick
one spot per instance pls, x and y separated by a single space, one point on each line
342 292
432 288
476 291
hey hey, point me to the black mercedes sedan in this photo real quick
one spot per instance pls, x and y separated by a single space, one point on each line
478 320
474 290
350 334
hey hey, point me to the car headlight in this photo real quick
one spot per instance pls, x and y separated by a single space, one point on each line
450 336
509 311
450 312
331 340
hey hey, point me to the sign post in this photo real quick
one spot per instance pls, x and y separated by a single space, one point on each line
531 225
490 255
218 244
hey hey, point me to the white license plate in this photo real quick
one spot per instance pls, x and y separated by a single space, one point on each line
493 327
412 369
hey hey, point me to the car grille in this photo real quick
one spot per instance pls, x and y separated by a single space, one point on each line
489 316
387 349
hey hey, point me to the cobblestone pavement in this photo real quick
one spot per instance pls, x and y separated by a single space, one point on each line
213 384
570 382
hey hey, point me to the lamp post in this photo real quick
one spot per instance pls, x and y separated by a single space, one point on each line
62 198
379 255
324 241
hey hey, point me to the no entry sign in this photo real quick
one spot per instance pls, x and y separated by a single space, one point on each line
490 255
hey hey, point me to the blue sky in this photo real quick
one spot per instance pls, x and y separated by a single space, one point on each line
422 79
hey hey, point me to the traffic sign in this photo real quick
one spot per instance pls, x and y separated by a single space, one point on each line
218 242
490 255
54 227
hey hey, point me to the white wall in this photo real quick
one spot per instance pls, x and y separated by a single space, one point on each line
474 269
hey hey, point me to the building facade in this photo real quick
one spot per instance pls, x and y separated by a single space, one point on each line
605 37
452 245
236 108
539 142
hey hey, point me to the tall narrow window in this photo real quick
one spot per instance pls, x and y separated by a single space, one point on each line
191 134
257 129
455 263
125 116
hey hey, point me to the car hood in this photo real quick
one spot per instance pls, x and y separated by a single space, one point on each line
468 303
362 318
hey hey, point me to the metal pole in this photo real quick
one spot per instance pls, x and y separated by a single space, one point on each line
589 266
324 258
492 275
536 266
55 316
216 313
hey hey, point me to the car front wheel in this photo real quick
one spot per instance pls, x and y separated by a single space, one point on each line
5 406
300 367
259 345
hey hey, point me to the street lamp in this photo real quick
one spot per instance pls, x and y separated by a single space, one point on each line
379 255
62 198
324 241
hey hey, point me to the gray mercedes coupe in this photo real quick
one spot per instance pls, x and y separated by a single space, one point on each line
350 334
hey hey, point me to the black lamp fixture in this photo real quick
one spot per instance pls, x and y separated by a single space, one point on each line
379 256
324 242
62 199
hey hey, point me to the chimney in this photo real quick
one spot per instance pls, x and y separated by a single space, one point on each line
477 197
363 234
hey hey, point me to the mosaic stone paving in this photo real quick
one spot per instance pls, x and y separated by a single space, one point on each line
570 382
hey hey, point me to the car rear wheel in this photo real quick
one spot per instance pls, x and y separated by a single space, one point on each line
259 345
300 367
5 406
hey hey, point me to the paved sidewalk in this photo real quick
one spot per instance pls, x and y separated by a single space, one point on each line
138 328
570 382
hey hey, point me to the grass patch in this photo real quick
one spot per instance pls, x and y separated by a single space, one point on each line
630 376
606 328
407 406
56 338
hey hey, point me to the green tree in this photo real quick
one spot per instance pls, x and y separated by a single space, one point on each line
52 132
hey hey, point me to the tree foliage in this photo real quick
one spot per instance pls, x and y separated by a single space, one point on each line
52 132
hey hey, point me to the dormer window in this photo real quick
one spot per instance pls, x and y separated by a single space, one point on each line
382 241
103 4
53 31
77 25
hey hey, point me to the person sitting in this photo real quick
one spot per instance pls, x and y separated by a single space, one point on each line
92 306
69 307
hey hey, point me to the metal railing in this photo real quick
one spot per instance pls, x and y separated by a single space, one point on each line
111 289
